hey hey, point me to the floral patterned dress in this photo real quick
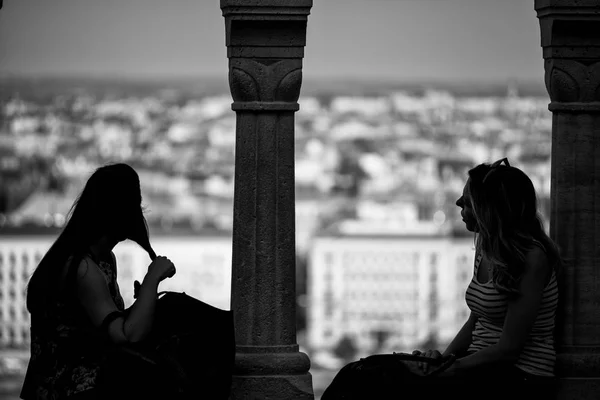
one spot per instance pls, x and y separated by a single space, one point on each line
66 349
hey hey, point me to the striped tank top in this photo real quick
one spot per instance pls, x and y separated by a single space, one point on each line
538 356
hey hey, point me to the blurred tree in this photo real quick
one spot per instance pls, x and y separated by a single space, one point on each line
56 182
345 349
364 145
349 175
31 174
380 338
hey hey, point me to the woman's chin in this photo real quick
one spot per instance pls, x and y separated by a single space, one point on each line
470 227
473 229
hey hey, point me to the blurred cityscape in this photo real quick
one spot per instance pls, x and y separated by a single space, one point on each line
383 258
397 155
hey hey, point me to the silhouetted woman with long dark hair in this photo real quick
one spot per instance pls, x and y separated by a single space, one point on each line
73 295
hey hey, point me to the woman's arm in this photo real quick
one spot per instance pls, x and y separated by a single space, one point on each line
93 292
520 316
462 340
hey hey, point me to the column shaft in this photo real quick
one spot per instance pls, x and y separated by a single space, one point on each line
263 291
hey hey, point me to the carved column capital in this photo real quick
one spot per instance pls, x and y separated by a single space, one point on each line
261 85
570 36
265 46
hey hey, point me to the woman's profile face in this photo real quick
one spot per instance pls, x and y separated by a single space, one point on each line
468 217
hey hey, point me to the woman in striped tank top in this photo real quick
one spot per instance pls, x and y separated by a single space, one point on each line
505 350
513 295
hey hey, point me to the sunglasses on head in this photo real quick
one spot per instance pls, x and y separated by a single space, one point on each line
494 166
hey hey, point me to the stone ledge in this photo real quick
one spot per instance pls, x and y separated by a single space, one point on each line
281 387
271 363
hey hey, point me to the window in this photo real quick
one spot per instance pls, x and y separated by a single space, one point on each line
433 277
433 259
328 304
433 311
416 258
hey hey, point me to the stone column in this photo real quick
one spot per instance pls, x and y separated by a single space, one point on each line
570 33
265 45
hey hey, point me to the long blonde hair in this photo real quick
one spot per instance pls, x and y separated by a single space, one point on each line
505 207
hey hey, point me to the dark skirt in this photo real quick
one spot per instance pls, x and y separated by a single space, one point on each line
91 394
501 381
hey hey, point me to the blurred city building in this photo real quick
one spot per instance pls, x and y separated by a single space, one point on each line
203 271
387 290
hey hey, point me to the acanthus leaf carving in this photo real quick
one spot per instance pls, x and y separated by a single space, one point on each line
288 88
243 85
563 87
571 81
275 81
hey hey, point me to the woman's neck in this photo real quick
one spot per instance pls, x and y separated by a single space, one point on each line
103 247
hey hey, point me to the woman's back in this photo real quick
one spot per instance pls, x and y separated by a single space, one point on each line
65 346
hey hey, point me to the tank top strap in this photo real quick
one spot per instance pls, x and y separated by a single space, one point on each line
478 258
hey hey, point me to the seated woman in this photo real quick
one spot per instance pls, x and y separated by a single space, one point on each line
73 296
513 296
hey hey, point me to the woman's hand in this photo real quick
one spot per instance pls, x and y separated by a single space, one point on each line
429 353
161 268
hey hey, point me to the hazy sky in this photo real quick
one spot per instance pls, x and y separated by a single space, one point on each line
402 40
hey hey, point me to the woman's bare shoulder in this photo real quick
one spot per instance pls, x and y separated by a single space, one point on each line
536 255
537 263
82 268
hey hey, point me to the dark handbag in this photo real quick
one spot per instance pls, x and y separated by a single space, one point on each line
188 354
197 343
381 375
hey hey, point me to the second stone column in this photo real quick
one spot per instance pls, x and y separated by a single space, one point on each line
265 46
